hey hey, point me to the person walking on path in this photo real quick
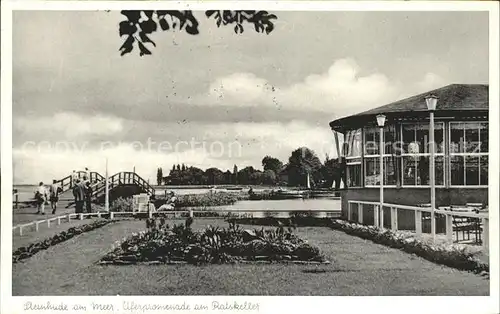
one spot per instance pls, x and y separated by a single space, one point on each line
74 178
87 173
54 190
88 197
78 193
41 198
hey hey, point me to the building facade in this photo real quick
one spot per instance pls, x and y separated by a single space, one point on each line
461 149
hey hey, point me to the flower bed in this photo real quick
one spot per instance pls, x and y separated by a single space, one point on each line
294 221
203 200
180 244
456 256
30 250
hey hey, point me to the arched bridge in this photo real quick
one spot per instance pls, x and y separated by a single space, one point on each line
121 184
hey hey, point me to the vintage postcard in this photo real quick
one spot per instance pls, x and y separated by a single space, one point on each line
220 157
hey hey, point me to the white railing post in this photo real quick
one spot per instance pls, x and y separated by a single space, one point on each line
99 215
486 233
360 213
81 216
381 216
21 230
48 223
59 220
376 216
111 215
449 228
69 217
394 218
36 226
418 222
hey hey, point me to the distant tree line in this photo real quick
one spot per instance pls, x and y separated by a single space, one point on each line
302 162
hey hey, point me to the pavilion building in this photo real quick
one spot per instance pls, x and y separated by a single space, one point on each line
461 149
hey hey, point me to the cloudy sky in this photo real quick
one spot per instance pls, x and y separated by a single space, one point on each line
219 99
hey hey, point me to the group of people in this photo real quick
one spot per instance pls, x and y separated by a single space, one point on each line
170 204
44 196
82 192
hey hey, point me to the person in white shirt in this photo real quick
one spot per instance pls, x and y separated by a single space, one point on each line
41 198
54 191
74 177
87 173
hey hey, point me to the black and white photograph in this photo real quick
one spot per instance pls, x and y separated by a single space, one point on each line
270 152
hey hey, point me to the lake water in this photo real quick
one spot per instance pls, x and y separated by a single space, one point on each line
318 206
26 193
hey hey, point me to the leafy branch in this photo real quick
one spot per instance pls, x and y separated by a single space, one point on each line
140 24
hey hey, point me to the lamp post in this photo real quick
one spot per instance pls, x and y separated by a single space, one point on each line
381 123
431 102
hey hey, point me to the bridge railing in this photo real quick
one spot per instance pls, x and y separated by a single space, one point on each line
121 178
67 183
449 220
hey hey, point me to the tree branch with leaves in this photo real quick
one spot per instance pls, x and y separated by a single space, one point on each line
140 24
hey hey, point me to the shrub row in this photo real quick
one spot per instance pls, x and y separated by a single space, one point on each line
455 256
211 246
30 250
294 221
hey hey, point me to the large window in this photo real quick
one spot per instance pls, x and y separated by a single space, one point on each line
469 153
415 154
352 151
372 156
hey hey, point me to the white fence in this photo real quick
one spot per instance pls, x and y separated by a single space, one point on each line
246 213
451 217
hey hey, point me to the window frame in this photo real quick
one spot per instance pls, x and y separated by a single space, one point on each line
466 154
405 154
384 155
351 137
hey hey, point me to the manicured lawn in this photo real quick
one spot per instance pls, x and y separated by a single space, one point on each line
358 267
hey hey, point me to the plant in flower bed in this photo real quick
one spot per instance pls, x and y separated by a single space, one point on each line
460 257
179 243
294 221
30 250
202 200
122 205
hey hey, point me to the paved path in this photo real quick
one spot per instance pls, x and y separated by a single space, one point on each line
359 267
27 214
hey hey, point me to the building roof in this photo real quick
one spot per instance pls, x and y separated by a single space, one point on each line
452 98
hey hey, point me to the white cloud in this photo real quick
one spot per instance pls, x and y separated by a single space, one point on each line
33 165
70 124
244 144
340 89
430 81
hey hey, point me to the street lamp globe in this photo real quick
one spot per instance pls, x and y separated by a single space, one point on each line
381 120
431 101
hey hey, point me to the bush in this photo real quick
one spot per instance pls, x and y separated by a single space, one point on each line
459 257
294 221
203 200
213 245
122 205
208 199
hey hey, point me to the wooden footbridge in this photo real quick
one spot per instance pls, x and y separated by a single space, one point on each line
121 184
